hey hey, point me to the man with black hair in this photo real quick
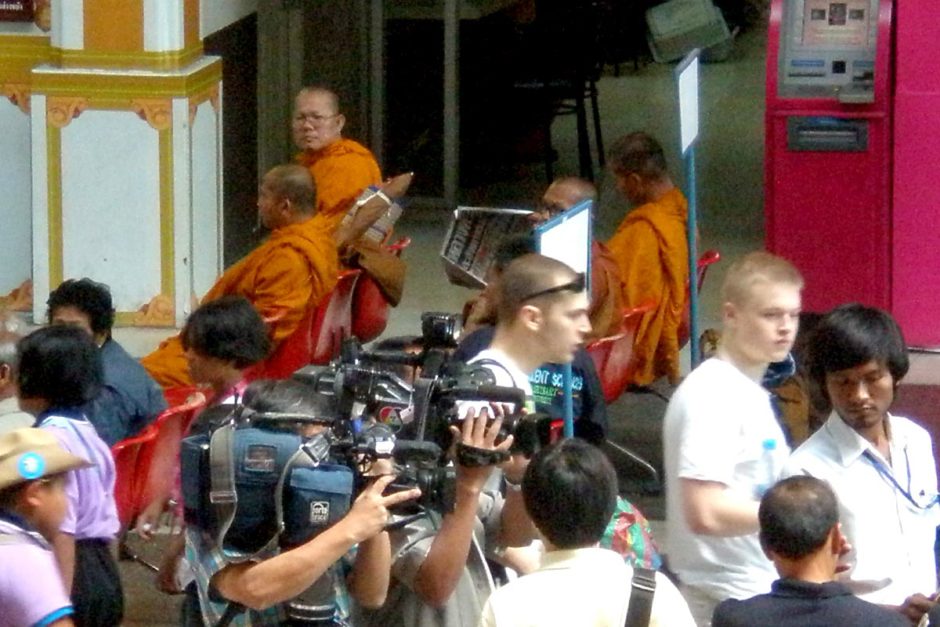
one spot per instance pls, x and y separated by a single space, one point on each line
570 489
800 533
881 465
129 399
221 340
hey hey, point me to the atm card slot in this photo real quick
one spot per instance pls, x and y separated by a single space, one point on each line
826 134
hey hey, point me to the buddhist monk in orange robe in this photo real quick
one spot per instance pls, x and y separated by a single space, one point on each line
292 270
341 167
651 250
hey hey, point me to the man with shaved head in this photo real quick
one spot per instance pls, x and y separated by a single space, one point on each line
542 316
651 251
295 267
341 167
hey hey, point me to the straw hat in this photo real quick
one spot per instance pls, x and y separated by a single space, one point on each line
28 454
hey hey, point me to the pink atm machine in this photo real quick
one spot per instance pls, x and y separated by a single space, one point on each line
852 146
828 147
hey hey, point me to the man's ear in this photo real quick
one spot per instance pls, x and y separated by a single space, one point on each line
729 313
836 539
6 374
531 317
340 122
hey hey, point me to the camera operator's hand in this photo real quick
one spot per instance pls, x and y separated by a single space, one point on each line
476 430
369 513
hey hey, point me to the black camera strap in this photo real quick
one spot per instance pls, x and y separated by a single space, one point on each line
642 590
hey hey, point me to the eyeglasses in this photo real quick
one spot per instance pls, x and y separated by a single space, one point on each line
549 208
313 118
576 285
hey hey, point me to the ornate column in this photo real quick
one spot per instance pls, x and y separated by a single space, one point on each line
22 46
126 156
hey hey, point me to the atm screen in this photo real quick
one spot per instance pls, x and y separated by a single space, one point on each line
828 48
836 24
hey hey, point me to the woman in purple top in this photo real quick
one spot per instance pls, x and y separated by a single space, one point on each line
60 370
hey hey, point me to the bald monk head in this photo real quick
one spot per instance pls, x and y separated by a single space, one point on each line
317 122
639 165
287 196
563 194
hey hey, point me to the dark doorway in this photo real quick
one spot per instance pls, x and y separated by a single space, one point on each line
237 44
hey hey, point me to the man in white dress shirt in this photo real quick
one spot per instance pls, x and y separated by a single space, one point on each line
881 466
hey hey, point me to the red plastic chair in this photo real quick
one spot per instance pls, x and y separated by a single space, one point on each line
370 309
129 482
613 358
613 355
707 258
159 461
181 395
318 338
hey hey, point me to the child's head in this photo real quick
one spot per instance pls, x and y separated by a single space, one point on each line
761 299
59 367
32 477
570 491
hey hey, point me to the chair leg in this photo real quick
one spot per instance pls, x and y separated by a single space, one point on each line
635 458
584 148
598 137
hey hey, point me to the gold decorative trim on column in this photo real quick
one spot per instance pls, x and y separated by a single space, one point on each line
156 111
152 61
54 201
18 94
61 110
167 208
211 94
102 86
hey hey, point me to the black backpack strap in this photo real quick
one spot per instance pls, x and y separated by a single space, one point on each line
641 597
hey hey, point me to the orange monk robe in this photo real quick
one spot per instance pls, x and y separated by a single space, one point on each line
341 171
293 269
606 310
652 254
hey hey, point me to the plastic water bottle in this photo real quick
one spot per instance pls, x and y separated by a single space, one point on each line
767 475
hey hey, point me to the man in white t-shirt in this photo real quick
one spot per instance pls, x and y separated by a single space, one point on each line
723 445
880 465
542 317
